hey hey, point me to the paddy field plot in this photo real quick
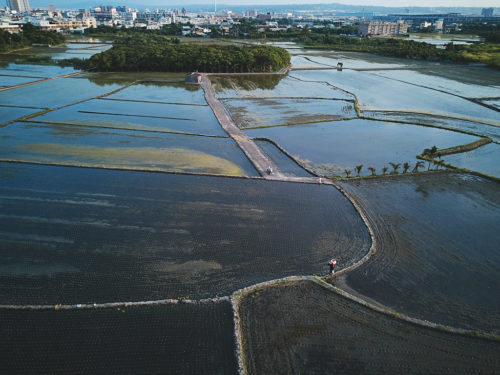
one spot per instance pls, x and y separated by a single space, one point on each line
124 149
55 93
135 115
266 86
330 147
8 114
34 71
443 122
358 60
304 328
493 102
437 239
173 339
163 92
79 235
378 93
271 112
8 81
485 159
285 164
449 85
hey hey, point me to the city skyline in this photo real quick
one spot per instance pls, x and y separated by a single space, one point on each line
177 3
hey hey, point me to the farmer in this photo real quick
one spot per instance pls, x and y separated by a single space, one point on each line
332 264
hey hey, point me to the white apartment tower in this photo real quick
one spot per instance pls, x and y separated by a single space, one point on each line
19 5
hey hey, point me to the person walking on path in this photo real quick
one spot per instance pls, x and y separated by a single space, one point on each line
332 264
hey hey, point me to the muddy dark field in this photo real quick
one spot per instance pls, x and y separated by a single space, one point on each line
76 235
303 328
167 339
437 255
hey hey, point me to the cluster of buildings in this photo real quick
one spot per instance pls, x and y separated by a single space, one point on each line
19 12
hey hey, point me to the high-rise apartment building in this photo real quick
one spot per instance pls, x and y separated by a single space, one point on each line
19 5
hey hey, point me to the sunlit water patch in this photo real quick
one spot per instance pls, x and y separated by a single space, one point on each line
331 147
107 236
265 112
113 148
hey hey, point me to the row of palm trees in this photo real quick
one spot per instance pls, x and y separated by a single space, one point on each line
395 168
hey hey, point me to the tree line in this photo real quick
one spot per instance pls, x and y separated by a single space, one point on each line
28 36
168 55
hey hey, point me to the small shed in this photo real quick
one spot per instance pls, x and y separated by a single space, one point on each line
194 78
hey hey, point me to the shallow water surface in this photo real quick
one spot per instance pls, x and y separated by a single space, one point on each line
378 93
116 148
130 236
268 112
485 159
437 255
331 147
55 93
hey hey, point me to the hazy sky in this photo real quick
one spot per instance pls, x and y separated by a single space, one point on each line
390 3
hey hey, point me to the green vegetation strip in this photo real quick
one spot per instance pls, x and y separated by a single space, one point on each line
464 148
149 53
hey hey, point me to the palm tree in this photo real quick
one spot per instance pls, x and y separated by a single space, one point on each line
384 170
347 172
420 164
371 169
395 167
358 169
406 166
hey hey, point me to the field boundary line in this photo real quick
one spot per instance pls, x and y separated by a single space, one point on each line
39 81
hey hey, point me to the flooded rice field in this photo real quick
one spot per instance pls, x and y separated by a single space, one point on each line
7 81
124 149
195 119
485 160
271 112
330 147
493 102
286 164
55 93
75 235
303 328
449 85
34 71
265 86
379 93
8 114
437 257
163 92
173 339
444 122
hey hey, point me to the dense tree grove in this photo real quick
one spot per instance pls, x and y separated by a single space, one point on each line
168 55
30 35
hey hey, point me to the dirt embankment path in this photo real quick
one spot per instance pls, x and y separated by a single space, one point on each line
258 158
